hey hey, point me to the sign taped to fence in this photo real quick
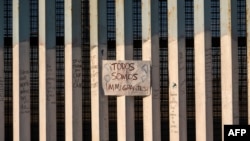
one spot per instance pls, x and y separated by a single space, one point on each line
129 78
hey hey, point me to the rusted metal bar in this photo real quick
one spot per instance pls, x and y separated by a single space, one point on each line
47 71
203 71
73 71
21 70
177 70
150 52
98 52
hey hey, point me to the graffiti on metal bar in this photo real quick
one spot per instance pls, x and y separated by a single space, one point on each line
24 91
51 85
77 73
1 89
172 112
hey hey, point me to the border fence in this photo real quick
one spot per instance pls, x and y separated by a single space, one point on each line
73 74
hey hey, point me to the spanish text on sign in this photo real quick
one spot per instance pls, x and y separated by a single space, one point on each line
130 78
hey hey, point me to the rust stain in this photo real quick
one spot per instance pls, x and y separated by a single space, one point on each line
146 40
117 1
171 11
94 46
229 14
41 44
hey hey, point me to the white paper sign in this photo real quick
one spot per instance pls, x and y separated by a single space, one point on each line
130 78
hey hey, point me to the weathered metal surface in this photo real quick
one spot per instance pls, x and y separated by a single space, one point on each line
98 52
229 63
21 70
51 134
73 71
248 53
47 71
130 78
150 52
124 51
2 71
203 71
177 70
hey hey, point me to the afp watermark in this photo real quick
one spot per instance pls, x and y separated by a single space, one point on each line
239 132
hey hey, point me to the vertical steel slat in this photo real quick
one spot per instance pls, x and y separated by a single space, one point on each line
248 53
177 70
229 63
73 71
203 71
124 51
2 93
47 71
150 52
21 70
98 52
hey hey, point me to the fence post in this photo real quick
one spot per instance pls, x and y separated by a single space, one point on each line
177 70
2 93
150 52
21 70
73 71
47 70
98 52
248 53
203 71
229 63
124 51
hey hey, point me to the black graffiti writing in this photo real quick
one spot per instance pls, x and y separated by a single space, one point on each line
1 89
122 66
24 91
126 87
127 76
77 73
